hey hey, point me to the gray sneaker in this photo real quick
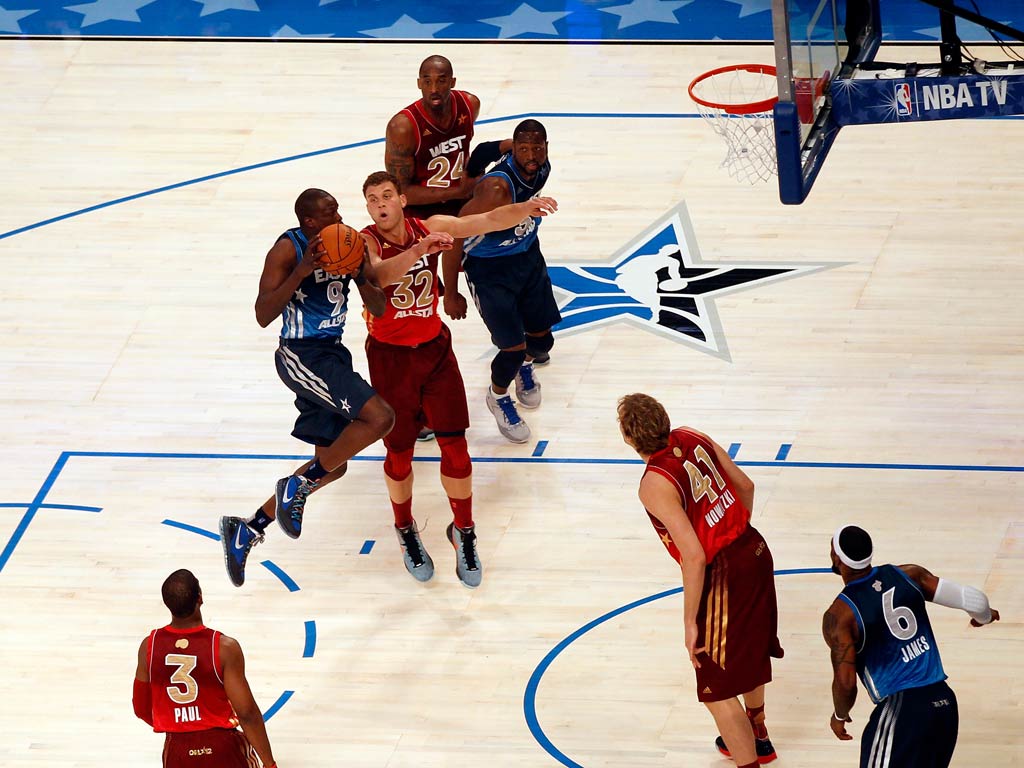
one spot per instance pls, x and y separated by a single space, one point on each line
511 426
417 561
467 563
527 387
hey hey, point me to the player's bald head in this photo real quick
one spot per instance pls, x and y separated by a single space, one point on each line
436 63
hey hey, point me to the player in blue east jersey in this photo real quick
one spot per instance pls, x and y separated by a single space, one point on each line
339 412
509 279
878 628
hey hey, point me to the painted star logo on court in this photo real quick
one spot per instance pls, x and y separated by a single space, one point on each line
659 283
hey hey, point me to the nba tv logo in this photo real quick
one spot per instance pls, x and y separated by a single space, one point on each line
904 106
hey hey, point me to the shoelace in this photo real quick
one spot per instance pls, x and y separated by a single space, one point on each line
412 545
302 490
508 410
469 548
526 376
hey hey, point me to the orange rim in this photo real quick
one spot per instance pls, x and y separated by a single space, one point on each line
737 109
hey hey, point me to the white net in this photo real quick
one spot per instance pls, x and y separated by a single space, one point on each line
749 137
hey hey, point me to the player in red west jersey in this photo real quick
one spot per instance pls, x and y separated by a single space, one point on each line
699 502
427 147
412 365
427 143
190 684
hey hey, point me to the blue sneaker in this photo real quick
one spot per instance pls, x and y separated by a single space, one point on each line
238 539
290 494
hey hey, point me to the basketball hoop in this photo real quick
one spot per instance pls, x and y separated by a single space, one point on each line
737 102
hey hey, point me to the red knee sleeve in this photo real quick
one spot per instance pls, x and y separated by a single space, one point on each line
455 461
398 464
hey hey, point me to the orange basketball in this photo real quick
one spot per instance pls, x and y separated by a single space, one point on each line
342 249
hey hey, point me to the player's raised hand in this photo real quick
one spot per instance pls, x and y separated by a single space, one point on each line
542 206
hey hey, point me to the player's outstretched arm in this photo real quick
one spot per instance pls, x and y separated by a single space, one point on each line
502 217
239 694
391 271
839 629
953 595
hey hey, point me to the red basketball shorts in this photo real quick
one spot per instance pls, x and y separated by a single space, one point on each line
738 620
423 384
213 748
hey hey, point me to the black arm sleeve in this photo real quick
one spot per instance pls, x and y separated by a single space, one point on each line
483 156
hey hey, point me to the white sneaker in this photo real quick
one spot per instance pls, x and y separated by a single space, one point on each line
511 426
527 387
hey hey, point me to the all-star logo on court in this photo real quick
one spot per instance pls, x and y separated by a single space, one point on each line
660 283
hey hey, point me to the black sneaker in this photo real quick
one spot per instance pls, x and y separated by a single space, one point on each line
542 359
417 561
764 748
425 436
238 539
290 494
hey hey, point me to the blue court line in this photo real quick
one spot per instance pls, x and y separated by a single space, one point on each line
530 696
73 507
318 152
310 649
367 546
783 451
32 508
543 460
192 529
539 450
281 701
271 566
734 448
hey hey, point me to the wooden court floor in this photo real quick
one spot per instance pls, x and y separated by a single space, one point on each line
140 403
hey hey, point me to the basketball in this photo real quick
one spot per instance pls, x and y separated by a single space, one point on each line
342 249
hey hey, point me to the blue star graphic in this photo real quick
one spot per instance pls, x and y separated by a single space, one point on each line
659 283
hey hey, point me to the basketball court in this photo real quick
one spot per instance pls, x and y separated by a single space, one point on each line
860 353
